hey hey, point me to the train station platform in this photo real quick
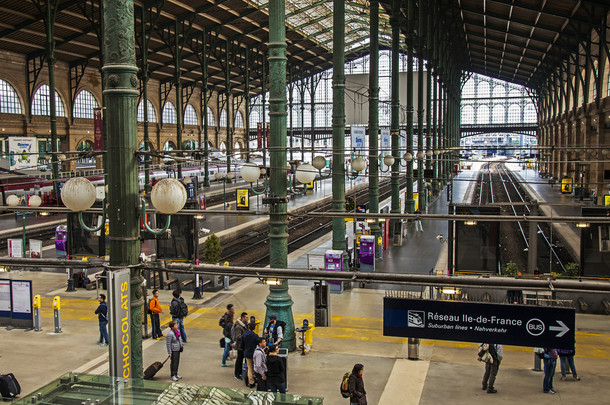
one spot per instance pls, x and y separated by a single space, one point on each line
447 371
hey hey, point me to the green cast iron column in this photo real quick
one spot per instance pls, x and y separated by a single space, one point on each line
409 202
395 114
338 170
206 152
179 106
278 301
435 144
264 91
302 91
144 55
428 91
50 26
420 110
121 93
374 123
247 101
290 90
229 114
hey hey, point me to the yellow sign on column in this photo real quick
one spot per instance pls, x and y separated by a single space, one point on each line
243 202
566 186
416 198
607 200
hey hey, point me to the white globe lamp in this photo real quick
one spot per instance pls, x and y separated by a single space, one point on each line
12 200
306 173
388 160
407 157
319 162
35 201
168 196
78 194
250 172
358 164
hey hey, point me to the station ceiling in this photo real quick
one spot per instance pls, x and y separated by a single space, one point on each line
519 41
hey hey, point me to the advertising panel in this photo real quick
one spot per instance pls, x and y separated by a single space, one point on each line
23 152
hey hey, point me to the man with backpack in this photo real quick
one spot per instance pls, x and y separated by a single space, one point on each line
179 311
154 309
492 355
274 332
223 319
239 327
249 343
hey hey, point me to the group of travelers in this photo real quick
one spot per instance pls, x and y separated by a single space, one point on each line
256 357
492 354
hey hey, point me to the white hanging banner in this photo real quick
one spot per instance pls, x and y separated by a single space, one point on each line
23 152
358 140
385 147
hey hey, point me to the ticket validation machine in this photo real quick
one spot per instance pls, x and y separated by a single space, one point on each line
367 253
333 261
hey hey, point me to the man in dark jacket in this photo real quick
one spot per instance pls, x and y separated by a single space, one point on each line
179 310
249 341
239 327
102 316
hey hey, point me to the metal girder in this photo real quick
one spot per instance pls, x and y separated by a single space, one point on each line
77 71
34 66
39 17
165 89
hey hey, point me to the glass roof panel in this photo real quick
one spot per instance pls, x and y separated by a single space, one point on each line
314 20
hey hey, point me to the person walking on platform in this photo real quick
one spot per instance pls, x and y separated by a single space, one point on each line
249 342
566 360
356 386
226 332
155 309
275 371
550 362
173 341
492 365
102 316
260 364
179 311
239 327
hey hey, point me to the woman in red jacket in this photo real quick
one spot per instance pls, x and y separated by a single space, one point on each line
356 386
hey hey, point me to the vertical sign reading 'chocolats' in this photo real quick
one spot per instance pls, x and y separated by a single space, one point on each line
119 320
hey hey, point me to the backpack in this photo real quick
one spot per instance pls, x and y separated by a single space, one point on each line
184 309
484 354
344 387
539 352
223 321
148 311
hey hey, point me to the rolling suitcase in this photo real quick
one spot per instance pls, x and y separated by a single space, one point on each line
244 373
154 369
9 387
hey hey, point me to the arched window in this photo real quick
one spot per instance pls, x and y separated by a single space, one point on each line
482 115
211 121
239 121
152 117
169 114
497 115
529 114
467 115
9 100
40 103
84 105
514 114
499 91
190 116
468 90
169 145
222 122
483 90
189 145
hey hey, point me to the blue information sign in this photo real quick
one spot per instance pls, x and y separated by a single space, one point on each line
518 325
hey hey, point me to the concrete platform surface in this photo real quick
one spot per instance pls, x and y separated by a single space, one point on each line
446 371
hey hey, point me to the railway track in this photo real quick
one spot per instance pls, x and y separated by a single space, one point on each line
496 184
253 250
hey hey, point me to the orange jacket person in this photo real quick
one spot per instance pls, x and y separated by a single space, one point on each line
155 309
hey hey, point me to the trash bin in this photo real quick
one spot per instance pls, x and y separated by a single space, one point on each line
257 325
309 338
413 349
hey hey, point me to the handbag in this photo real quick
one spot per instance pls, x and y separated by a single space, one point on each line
222 342
232 354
